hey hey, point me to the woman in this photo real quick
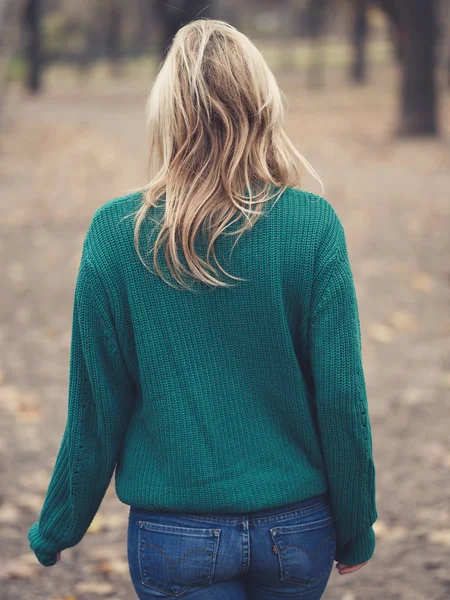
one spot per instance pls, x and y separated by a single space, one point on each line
233 410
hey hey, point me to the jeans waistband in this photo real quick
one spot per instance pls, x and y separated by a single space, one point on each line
265 512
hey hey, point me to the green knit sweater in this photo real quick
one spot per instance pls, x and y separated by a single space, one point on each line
219 400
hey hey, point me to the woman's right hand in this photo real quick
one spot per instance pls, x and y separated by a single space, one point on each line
343 569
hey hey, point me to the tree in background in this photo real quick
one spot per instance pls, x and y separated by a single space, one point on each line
114 27
414 24
173 15
418 114
33 47
315 14
359 34
360 28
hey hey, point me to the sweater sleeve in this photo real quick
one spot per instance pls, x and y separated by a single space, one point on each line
100 399
342 407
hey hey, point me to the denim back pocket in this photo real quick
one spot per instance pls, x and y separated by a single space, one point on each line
305 550
174 559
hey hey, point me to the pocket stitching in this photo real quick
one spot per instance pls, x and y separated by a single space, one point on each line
298 527
213 554
312 557
172 565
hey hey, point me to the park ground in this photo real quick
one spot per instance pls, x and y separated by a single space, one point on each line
81 143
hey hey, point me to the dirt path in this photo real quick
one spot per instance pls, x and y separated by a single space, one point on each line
79 145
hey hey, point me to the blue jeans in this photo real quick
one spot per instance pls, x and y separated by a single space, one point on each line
286 551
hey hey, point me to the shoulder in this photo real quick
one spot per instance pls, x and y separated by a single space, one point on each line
115 209
109 227
313 207
317 219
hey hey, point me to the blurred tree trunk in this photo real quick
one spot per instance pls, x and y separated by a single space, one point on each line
33 45
145 16
114 26
315 15
359 35
418 89
177 13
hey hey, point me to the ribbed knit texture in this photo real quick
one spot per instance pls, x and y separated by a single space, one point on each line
223 400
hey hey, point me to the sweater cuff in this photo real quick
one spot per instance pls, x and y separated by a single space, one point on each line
45 555
358 550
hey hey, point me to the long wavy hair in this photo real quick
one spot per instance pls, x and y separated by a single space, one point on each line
218 150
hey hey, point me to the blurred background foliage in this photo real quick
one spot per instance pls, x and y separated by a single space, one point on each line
296 34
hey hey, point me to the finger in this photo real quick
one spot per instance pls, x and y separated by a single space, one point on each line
350 569
346 571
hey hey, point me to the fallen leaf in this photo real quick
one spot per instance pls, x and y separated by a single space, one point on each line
9 513
440 537
403 320
101 588
29 501
381 333
10 396
28 408
421 282
417 396
108 566
14 569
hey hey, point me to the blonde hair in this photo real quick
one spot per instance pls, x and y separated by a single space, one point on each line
217 144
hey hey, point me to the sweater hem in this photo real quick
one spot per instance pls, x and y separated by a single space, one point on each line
220 500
